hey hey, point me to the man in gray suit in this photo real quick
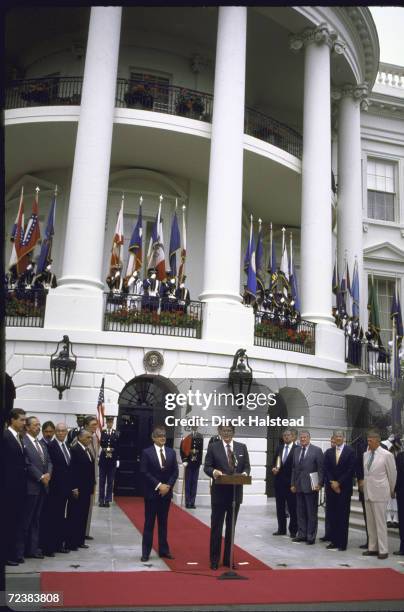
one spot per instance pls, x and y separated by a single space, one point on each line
307 480
39 471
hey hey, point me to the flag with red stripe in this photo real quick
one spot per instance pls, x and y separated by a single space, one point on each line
100 411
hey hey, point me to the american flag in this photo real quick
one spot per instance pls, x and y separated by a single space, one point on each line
100 412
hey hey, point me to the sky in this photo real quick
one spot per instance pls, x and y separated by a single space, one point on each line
390 28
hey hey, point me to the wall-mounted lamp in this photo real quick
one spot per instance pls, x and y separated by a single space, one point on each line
63 366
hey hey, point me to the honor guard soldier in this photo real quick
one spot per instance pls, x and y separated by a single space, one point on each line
133 288
191 450
108 462
151 291
46 279
72 435
167 294
183 297
24 283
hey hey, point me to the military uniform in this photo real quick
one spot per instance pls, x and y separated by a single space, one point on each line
151 293
72 435
191 450
109 455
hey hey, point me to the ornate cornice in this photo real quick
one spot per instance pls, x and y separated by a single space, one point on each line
366 29
356 92
319 35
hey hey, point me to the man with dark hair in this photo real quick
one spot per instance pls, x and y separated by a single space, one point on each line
191 451
82 488
60 489
15 487
400 500
159 467
282 471
307 461
224 457
39 472
339 471
108 462
48 432
71 436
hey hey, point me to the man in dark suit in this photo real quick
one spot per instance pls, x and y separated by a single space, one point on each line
159 467
39 472
72 435
339 471
15 487
191 451
307 460
60 489
282 471
108 462
400 500
82 484
224 457
48 434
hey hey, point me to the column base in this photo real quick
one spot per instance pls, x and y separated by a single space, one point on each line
228 322
330 342
74 308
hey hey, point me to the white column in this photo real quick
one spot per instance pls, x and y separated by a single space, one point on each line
82 263
350 179
221 286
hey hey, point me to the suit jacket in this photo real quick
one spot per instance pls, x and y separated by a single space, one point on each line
216 459
313 462
15 467
111 441
400 475
82 470
284 476
60 483
380 479
35 466
343 471
153 474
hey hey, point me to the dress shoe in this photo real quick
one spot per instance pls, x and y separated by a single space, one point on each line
21 560
342 549
101 505
14 563
364 546
370 553
310 541
193 506
63 550
298 539
166 556
390 524
36 556
106 505
73 548
214 566
382 556
89 538
324 539
228 565
49 554
279 533
144 559
331 547
399 553
292 535
84 546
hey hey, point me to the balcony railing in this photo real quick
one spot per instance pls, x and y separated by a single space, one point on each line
152 315
372 360
153 97
25 307
298 337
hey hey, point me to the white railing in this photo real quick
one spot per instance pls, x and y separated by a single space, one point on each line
390 75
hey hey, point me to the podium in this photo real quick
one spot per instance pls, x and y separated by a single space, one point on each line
232 480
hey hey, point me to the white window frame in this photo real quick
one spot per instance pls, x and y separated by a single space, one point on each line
394 162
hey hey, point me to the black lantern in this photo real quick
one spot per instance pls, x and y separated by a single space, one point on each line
63 366
241 376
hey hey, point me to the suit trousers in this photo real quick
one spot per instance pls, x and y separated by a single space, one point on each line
400 507
77 512
377 528
58 524
307 510
362 500
32 517
14 520
284 497
153 508
107 474
219 512
338 510
191 483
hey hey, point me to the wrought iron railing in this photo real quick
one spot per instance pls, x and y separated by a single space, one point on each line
367 357
152 315
160 98
25 307
299 337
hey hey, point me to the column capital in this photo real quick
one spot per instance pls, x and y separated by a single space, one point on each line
319 35
356 92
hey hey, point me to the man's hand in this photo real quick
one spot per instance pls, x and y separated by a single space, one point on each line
293 489
360 485
335 486
164 489
45 478
75 493
275 471
185 463
217 473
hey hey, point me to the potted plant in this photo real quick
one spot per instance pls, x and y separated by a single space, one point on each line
189 104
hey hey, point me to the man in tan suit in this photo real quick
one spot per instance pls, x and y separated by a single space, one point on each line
380 475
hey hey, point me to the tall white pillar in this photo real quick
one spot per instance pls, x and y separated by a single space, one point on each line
221 286
316 210
78 301
351 99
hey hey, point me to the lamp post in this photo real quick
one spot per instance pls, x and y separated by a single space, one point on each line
63 366
241 375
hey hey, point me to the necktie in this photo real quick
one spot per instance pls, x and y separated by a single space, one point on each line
40 451
19 438
66 454
89 454
285 454
370 460
302 454
337 454
163 459
230 458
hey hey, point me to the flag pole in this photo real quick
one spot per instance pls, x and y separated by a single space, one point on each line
270 245
121 246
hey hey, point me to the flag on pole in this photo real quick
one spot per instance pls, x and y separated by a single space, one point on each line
32 233
272 267
373 308
156 247
46 247
284 266
259 259
175 243
17 237
100 411
355 291
181 271
345 291
251 271
135 259
293 278
117 243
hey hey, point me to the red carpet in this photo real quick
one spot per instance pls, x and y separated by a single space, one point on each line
113 589
188 538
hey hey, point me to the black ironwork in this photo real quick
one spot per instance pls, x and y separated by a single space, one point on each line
241 375
299 337
369 357
63 366
152 315
151 96
25 307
